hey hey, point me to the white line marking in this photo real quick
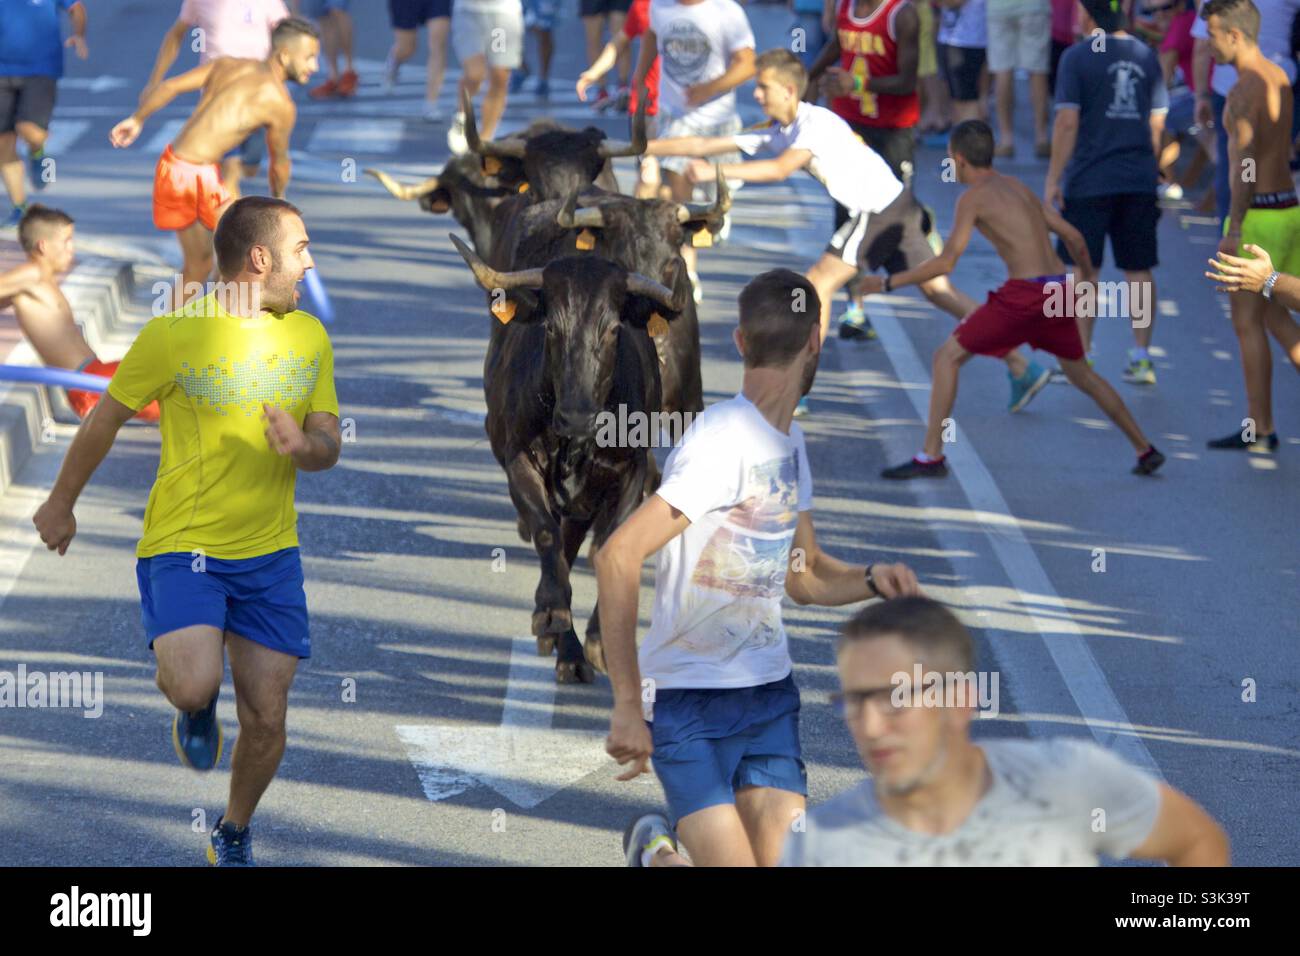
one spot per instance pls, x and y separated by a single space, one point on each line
166 133
63 134
350 136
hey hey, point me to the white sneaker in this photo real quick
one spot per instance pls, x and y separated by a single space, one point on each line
456 141
389 80
697 290
1170 191
725 231
431 112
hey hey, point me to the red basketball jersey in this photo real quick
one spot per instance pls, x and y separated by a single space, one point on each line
867 49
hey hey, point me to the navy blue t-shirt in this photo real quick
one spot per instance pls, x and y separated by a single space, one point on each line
31 42
1115 91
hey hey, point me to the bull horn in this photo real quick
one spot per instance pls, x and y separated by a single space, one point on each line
655 291
571 217
614 148
402 191
489 279
511 148
688 211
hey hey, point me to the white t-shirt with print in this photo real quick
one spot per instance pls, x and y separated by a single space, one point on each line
853 173
716 621
1041 810
696 42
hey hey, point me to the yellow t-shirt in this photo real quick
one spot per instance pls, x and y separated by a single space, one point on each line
220 487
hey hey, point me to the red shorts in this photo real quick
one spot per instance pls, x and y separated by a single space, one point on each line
1020 311
83 402
184 192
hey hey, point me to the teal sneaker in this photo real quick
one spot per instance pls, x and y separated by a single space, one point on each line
854 324
15 217
36 169
1024 389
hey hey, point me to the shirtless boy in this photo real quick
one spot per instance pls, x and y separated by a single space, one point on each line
1264 210
239 97
43 312
1016 222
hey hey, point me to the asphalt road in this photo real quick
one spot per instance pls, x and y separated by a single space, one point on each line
419 587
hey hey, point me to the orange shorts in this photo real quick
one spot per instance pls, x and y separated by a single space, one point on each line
83 402
184 192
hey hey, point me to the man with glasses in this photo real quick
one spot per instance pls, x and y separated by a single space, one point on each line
936 798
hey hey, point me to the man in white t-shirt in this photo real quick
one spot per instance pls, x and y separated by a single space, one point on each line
707 50
732 526
909 691
488 37
886 229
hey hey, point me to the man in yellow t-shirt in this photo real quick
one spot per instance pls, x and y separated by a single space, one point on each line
245 383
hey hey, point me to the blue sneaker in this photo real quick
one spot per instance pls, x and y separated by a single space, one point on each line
196 735
543 90
15 217
230 846
854 324
1024 389
35 168
517 80
802 408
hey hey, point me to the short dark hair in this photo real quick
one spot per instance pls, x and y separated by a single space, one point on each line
1235 15
923 624
251 221
972 140
777 309
37 224
291 27
787 65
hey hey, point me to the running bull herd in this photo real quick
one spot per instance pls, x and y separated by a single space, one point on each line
592 310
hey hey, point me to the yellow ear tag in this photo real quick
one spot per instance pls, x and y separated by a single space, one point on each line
523 187
657 325
504 311
702 238
491 166
586 240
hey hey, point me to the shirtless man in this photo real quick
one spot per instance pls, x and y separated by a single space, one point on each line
1029 306
239 96
43 312
1264 210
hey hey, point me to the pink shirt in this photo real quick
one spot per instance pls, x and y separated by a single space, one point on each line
239 28
1065 21
1179 37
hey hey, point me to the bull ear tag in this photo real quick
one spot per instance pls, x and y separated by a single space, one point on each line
657 325
586 240
523 187
491 166
503 311
702 238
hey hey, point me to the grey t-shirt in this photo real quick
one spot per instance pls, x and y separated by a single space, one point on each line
1042 809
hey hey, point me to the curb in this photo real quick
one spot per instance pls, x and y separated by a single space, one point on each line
100 290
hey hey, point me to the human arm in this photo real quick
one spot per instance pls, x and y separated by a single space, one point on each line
17 280
277 147
313 447
618 585
77 16
1236 274
1201 59
739 69
649 50
602 64
907 35
154 99
815 577
54 519
1073 239
691 146
755 171
1184 834
829 55
1065 134
167 52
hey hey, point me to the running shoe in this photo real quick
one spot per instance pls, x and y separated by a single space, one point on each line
389 80
1140 371
347 84
603 100
230 845
648 832
1148 462
15 217
517 80
917 469
697 289
725 232
543 89
325 90
196 735
35 166
802 410
1043 150
1169 192
456 141
1263 445
1024 389
854 324
431 112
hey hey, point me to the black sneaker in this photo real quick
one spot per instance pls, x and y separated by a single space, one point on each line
1235 442
918 469
1148 462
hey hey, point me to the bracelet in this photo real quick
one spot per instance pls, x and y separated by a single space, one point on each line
871 583
857 83
1271 281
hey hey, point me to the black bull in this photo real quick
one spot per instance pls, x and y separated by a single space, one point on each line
576 343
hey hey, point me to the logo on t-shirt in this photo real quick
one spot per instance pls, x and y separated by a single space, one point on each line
685 50
1124 77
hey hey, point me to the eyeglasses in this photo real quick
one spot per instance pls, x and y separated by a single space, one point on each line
888 701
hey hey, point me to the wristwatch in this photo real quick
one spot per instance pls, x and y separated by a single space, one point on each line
871 582
1271 281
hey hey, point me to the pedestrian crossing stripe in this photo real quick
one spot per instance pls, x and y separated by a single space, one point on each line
63 134
166 133
356 136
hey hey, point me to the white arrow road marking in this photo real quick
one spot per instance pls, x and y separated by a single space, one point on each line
524 759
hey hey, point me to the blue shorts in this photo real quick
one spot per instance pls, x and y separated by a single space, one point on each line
250 151
541 14
258 598
711 743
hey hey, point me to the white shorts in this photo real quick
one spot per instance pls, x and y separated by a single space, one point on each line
671 127
1019 41
499 36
